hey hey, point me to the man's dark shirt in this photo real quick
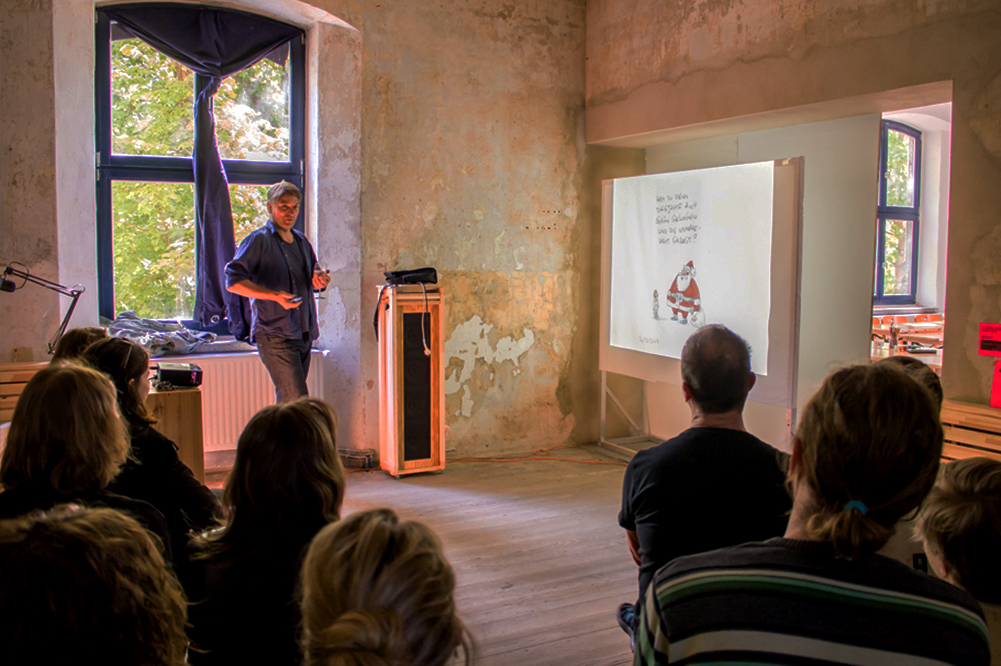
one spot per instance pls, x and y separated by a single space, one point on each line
704 489
262 259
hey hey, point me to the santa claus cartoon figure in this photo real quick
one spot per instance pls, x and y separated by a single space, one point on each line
684 298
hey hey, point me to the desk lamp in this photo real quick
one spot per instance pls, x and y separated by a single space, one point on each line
10 285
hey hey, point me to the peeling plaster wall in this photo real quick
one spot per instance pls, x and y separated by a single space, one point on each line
46 133
333 185
472 152
76 199
468 155
655 66
28 231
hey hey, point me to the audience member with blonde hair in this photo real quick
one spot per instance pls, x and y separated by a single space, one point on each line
154 472
65 444
72 343
960 526
378 592
865 455
87 586
286 484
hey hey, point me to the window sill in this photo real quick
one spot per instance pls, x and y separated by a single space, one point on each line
880 310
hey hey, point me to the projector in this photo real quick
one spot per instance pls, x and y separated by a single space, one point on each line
178 374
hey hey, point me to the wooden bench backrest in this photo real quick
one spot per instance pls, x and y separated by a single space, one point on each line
971 430
13 377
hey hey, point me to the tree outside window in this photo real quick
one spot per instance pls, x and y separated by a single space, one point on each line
898 219
149 179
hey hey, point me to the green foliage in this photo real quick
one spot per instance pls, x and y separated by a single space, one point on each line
900 174
152 102
251 109
153 227
899 169
249 208
153 223
897 257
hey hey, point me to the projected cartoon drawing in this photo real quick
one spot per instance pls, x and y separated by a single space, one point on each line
684 297
662 228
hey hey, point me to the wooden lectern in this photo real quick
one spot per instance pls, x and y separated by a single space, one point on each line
179 413
411 380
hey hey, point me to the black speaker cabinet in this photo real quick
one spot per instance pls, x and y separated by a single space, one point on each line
411 380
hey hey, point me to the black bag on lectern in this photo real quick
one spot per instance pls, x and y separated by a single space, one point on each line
415 276
427 275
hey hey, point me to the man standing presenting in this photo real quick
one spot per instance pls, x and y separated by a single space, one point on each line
276 268
715 484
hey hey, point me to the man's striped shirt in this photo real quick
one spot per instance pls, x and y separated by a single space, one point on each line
794 602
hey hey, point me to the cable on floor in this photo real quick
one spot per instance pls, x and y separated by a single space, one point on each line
537 455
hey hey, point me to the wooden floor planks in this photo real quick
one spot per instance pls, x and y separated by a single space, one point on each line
540 559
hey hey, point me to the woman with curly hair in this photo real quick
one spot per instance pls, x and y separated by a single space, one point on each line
87 586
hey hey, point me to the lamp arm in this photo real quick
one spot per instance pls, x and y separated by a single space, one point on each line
48 284
74 293
66 319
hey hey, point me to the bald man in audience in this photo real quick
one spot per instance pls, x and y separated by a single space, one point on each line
715 484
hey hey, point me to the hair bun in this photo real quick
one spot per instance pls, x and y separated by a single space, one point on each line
369 636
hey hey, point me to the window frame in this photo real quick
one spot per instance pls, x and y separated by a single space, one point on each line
908 213
142 168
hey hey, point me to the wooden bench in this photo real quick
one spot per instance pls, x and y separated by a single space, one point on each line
970 430
13 377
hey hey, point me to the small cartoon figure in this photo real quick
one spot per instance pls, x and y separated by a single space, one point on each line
684 298
656 304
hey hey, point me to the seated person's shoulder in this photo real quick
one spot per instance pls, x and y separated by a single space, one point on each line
152 448
147 514
21 500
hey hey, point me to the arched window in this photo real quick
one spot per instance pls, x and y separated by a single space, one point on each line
153 254
898 219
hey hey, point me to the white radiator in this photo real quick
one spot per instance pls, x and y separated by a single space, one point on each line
234 388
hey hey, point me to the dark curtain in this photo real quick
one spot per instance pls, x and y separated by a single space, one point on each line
214 43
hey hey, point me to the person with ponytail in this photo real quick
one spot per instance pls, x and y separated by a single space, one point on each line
864 456
379 592
242 581
153 473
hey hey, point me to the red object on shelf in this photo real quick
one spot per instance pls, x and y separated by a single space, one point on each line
996 385
990 339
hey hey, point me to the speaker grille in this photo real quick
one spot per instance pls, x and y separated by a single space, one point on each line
416 388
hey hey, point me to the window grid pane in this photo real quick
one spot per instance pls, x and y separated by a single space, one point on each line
252 114
261 141
897 238
153 235
900 169
250 210
152 102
